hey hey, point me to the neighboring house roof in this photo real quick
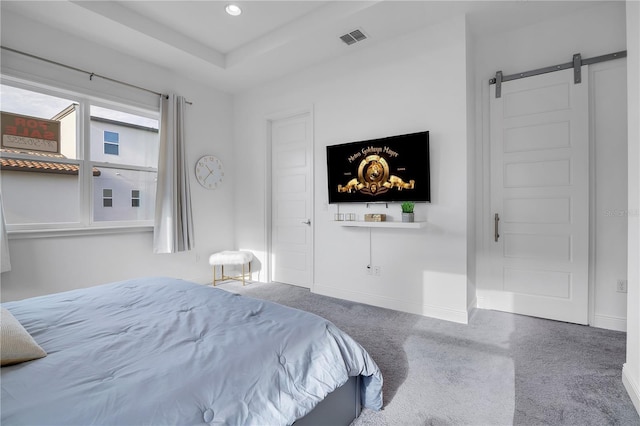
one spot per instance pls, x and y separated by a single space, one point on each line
39 166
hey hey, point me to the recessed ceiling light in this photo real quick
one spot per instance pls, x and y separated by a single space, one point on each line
233 10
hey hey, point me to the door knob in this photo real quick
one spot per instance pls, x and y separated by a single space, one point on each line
307 222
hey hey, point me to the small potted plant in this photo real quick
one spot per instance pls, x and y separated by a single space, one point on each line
407 211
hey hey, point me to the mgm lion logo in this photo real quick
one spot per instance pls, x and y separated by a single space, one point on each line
373 178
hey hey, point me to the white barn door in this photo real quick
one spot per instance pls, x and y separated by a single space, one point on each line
540 194
292 200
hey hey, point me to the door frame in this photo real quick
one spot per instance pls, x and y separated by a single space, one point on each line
268 122
600 321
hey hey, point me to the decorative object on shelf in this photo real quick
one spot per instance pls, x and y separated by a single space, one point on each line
375 217
339 217
407 211
350 216
209 171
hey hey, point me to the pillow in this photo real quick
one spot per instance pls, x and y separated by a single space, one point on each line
16 344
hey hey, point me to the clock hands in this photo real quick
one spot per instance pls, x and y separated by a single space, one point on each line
208 174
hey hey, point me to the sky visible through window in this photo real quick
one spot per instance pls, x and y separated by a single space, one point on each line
26 102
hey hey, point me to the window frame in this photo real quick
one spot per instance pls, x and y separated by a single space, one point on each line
135 198
105 197
85 224
106 143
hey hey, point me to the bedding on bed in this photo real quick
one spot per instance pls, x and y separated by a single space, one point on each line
165 351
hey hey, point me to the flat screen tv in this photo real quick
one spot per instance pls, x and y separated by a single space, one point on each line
388 169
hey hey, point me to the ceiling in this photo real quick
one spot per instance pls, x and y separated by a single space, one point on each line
269 39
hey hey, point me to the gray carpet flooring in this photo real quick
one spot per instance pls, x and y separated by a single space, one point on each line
500 369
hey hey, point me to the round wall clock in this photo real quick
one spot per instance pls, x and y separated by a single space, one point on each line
209 171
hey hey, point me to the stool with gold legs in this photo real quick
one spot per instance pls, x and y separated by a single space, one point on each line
223 258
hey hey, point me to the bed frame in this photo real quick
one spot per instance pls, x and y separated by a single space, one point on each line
340 407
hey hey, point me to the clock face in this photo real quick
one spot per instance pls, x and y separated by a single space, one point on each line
209 171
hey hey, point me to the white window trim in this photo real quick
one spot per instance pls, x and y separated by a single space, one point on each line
138 198
22 234
104 197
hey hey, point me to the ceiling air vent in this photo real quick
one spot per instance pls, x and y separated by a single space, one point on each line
353 37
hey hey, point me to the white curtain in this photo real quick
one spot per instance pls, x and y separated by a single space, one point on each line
5 261
173 227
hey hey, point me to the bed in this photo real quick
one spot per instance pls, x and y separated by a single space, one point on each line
163 351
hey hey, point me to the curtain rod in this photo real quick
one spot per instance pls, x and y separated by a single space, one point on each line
91 74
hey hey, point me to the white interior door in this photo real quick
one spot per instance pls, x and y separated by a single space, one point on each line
292 200
540 192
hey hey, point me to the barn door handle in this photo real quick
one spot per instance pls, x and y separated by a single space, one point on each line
496 235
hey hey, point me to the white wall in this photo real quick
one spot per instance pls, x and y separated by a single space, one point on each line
409 84
471 173
46 265
592 32
631 369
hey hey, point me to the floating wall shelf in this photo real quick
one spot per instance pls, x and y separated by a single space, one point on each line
390 224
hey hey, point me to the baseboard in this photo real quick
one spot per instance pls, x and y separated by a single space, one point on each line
633 389
472 304
438 312
490 299
472 308
483 301
447 314
609 322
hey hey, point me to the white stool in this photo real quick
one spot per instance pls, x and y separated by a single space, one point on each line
231 258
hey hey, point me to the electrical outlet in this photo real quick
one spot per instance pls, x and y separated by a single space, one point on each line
621 286
376 271
369 270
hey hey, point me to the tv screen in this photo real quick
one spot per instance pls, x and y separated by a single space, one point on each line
388 169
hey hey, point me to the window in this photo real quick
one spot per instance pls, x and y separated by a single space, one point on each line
111 140
107 198
52 176
135 198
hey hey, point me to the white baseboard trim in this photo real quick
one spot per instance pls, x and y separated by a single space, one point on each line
483 301
438 312
472 308
633 388
609 322
446 314
473 304
491 299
